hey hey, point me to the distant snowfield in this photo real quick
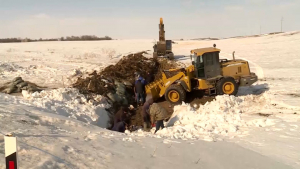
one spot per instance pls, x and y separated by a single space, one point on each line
57 127
52 63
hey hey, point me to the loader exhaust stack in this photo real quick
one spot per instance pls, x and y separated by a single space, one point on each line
233 55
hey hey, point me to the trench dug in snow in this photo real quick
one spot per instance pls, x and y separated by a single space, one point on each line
223 116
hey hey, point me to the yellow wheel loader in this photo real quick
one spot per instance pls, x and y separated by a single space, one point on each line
207 73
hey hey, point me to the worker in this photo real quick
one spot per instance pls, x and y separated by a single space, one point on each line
145 114
120 119
139 89
157 114
149 77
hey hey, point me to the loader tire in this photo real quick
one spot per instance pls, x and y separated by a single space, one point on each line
227 85
175 94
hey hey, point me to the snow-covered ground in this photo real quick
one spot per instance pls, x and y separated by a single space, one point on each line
50 141
59 128
53 64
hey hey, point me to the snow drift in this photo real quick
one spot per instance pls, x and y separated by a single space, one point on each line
222 117
70 103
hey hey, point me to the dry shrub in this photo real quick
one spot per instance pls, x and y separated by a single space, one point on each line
109 52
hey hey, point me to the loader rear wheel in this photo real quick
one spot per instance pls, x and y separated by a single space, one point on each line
227 85
175 94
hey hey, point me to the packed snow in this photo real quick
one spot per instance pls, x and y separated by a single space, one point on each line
70 103
60 128
224 116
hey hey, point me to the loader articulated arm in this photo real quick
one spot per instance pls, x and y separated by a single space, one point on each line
174 70
170 81
158 88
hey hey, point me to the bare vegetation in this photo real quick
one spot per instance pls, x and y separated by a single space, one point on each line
68 38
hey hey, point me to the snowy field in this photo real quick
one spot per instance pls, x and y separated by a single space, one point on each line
58 128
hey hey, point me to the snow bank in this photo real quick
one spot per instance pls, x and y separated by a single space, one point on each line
70 103
221 117
7 68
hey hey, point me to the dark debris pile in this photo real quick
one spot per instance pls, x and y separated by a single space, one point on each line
116 81
123 71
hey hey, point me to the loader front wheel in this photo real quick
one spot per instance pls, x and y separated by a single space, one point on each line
227 85
175 94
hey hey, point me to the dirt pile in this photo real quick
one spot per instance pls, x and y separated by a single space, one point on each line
105 81
17 85
116 81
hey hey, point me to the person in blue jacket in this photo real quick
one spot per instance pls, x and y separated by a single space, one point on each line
139 89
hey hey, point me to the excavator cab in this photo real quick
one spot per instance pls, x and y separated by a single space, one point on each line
163 47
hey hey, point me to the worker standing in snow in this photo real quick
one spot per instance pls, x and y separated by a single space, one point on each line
120 119
139 89
145 114
157 114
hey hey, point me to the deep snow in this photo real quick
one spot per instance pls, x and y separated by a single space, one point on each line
56 126
47 140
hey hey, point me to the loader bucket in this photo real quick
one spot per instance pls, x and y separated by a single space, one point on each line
153 89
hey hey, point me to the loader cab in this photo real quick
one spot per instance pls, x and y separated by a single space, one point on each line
198 63
206 62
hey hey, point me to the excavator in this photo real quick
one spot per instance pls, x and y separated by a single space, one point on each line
163 47
208 73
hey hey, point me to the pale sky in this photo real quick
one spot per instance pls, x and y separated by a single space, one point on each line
132 19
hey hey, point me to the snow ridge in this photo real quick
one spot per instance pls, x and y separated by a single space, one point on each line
70 103
221 117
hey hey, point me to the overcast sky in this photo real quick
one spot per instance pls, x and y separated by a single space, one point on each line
124 19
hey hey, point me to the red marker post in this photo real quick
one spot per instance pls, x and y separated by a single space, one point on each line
10 142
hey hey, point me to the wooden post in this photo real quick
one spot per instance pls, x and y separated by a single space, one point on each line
10 142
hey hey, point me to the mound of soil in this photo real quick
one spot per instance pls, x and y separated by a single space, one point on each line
123 71
108 80
17 85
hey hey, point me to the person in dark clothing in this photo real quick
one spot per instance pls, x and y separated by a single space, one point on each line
149 77
139 89
120 119
145 114
119 127
159 124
